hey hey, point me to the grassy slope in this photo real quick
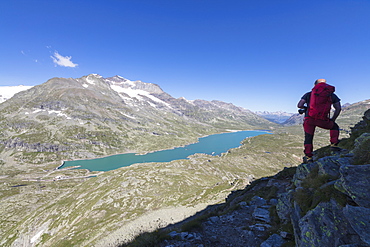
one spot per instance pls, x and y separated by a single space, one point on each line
126 193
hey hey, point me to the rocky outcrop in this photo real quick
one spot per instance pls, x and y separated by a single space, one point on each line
325 217
329 200
354 181
359 219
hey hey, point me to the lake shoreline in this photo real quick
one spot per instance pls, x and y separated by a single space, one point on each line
180 148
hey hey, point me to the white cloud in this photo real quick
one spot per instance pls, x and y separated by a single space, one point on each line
63 61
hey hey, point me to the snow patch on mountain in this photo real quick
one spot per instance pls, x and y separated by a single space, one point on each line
97 75
36 111
58 113
8 91
90 81
136 93
127 115
187 100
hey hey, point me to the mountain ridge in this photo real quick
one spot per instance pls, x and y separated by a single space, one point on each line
103 116
350 113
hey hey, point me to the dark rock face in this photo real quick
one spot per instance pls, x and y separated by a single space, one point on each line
342 216
325 226
359 219
354 181
329 166
273 240
329 223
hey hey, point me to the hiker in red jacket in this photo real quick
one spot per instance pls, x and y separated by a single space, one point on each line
317 105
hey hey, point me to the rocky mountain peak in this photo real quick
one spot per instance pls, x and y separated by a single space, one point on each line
119 82
117 79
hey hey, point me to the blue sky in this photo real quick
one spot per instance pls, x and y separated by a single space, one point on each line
258 54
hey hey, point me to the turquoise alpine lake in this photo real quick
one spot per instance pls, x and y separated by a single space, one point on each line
212 145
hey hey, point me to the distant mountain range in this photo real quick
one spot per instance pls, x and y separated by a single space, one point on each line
276 117
94 116
351 113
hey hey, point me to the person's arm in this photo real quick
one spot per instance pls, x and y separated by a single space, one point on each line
301 104
337 110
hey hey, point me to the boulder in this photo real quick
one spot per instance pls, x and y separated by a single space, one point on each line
327 226
262 215
354 182
329 166
284 206
258 201
361 139
302 172
359 218
346 160
214 219
361 151
273 241
295 217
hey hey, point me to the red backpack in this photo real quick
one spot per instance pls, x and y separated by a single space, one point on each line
320 101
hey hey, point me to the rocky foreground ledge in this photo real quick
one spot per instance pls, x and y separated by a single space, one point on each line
324 203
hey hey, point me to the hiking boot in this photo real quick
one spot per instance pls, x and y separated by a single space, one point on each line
307 159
